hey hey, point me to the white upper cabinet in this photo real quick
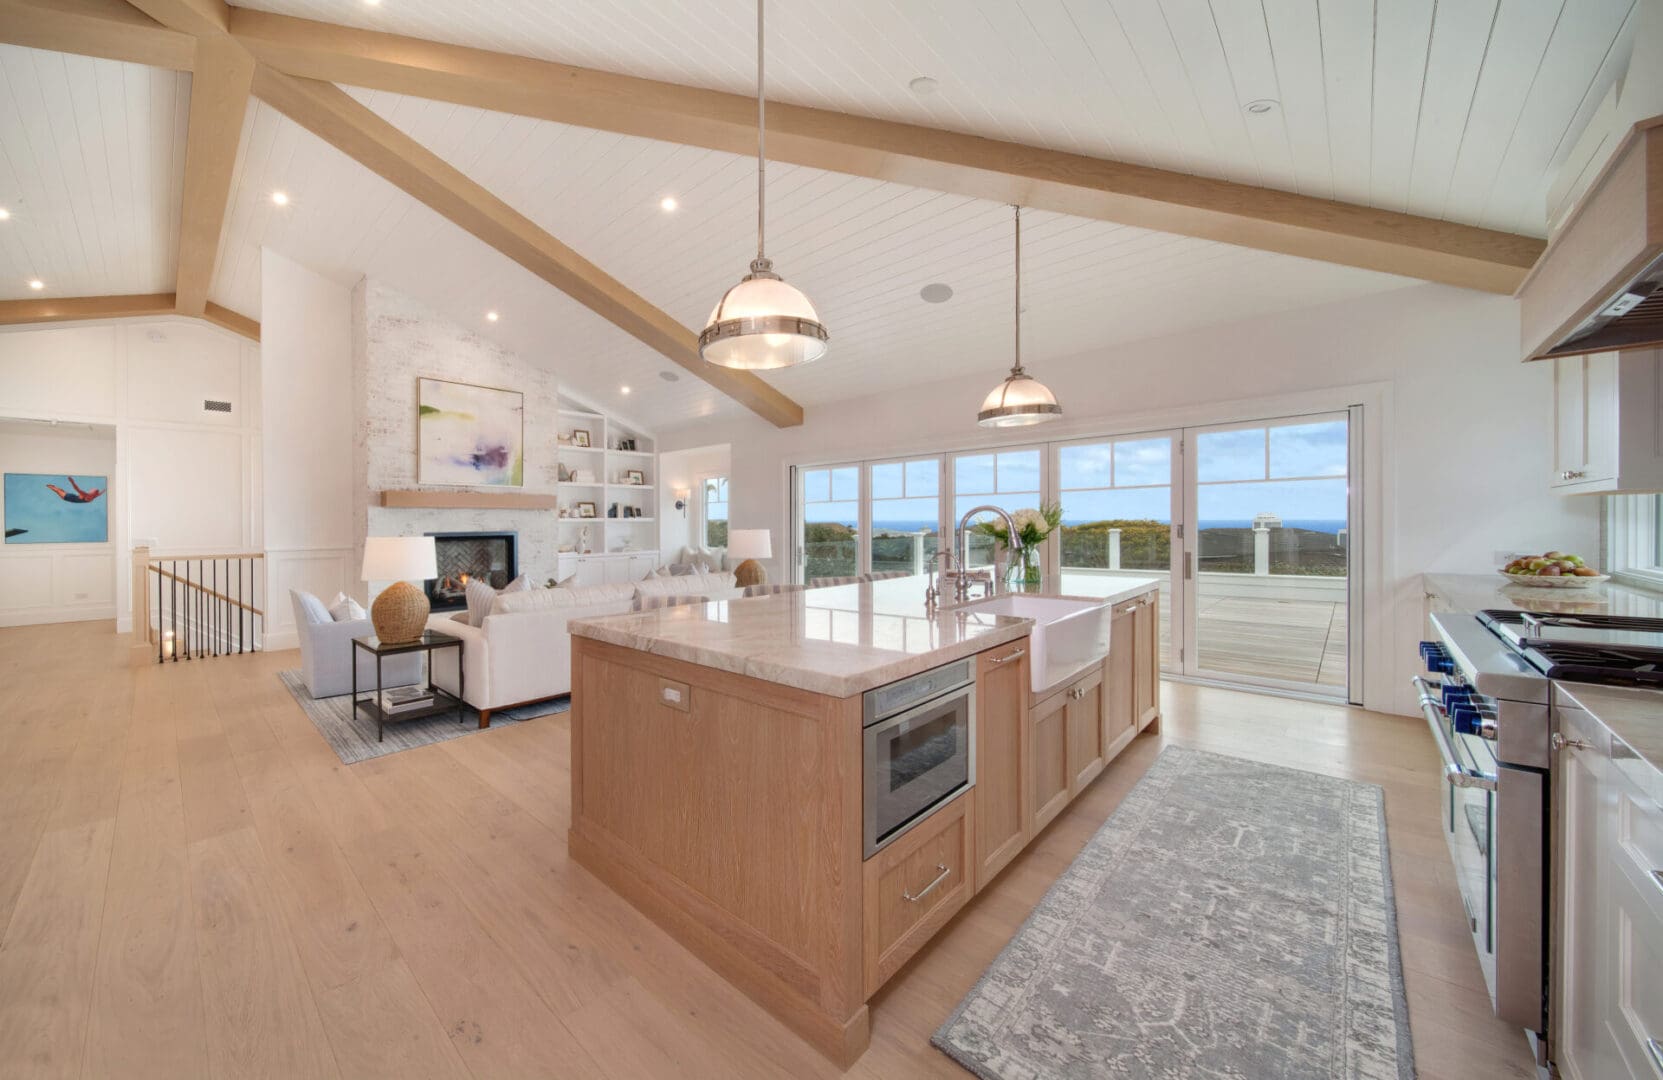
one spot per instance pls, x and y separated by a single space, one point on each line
1608 423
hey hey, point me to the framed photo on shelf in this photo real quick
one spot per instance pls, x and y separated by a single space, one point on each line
585 509
634 476
580 437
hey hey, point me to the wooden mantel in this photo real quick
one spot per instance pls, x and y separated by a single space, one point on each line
467 500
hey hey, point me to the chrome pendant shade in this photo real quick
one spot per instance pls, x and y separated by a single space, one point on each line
1021 399
762 323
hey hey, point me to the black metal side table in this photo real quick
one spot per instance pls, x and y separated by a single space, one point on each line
443 700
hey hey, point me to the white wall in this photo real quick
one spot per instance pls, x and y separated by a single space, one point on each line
57 582
396 342
306 339
1464 433
682 470
183 480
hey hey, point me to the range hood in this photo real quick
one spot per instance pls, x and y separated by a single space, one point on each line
1599 284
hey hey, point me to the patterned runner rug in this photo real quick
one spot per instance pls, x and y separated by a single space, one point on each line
1230 919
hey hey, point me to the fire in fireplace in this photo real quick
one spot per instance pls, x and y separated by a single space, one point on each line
465 557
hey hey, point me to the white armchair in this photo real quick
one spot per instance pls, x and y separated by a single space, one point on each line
326 652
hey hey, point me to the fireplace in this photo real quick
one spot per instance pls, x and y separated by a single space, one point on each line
470 556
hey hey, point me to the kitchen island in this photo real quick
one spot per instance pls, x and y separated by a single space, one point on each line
721 775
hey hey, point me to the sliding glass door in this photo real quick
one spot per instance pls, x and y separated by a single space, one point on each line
1009 479
1118 511
1269 555
905 511
828 524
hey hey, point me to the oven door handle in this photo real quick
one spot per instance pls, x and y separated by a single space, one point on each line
1457 774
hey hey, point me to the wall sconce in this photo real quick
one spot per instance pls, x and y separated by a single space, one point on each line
682 495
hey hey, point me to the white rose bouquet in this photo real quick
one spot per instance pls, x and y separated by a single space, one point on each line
1032 527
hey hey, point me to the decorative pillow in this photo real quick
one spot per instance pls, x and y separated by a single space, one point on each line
345 609
312 607
519 584
480 597
548 599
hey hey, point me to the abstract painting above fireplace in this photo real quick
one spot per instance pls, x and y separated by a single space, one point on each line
470 556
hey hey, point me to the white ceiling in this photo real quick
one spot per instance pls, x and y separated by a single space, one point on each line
1458 109
861 249
92 156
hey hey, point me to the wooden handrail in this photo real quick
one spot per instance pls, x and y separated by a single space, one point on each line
205 558
188 583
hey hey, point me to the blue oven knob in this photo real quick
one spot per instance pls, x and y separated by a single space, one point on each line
1437 658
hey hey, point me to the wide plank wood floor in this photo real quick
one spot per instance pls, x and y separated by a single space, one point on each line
192 885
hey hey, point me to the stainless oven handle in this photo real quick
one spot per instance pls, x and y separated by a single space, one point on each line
928 889
1453 772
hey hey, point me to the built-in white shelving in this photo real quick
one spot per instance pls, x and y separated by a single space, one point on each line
597 474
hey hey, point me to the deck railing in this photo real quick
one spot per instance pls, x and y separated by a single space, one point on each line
191 607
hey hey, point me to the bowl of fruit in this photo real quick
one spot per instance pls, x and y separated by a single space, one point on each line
1552 570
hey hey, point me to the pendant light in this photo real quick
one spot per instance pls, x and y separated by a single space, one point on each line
762 322
1021 399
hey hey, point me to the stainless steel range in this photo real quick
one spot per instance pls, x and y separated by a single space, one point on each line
1487 698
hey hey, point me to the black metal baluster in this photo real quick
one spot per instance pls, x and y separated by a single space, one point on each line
173 603
147 568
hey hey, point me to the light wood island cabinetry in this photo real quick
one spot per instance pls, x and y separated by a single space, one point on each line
722 793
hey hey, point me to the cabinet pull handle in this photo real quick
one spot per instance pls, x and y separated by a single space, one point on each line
1657 878
928 889
1129 609
1655 1049
1013 655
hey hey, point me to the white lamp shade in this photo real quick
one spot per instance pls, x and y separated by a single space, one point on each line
399 558
750 544
1018 401
762 324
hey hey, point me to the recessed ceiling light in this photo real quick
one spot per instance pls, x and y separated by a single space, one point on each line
373 3
936 292
668 203
5 215
281 198
37 284
923 85
1260 107
669 376
490 316
623 389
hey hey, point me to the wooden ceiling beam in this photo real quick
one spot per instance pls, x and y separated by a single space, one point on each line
82 308
72 308
220 87
110 29
332 115
199 18
226 319
1106 190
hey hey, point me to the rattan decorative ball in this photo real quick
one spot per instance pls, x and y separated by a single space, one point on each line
399 614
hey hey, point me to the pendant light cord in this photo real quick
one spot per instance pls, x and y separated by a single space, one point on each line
761 140
1017 369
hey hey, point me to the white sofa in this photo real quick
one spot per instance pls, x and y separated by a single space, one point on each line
522 653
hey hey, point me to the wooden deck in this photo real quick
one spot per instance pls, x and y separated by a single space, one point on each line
1299 641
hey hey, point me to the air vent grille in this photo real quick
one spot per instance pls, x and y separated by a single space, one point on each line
210 405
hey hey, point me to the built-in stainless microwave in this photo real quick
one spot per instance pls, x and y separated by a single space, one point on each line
920 739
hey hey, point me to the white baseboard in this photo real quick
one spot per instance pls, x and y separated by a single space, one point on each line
58 615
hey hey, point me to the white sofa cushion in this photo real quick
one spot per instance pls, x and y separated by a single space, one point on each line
482 598
309 610
686 585
345 609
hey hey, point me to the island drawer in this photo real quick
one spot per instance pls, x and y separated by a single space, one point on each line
913 886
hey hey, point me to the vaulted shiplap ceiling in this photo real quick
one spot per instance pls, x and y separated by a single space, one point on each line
1456 110
92 156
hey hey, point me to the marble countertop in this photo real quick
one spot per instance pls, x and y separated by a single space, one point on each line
1634 717
1474 592
839 641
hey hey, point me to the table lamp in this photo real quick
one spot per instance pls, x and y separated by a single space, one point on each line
749 545
399 613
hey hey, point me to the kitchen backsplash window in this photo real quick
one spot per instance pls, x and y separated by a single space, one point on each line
1634 539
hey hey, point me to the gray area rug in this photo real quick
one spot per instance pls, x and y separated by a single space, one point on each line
352 735
1230 919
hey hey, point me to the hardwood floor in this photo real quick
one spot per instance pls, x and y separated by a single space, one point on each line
191 884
